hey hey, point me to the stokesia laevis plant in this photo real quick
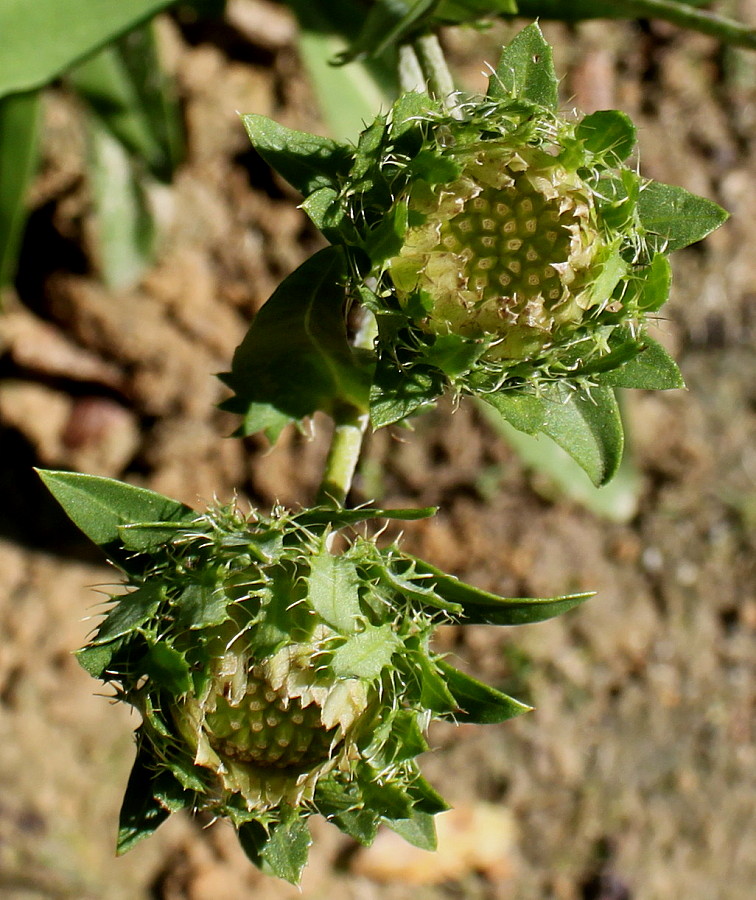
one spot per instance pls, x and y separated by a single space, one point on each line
282 664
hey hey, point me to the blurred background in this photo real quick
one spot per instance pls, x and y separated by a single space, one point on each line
140 233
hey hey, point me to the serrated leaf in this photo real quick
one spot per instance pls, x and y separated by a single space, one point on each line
202 605
131 611
168 669
296 358
365 655
308 162
483 607
280 850
141 814
608 133
425 797
94 660
478 702
434 694
386 800
652 369
676 217
333 590
100 506
653 290
526 70
327 214
419 830
342 806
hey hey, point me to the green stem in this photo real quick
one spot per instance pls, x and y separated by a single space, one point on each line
433 66
411 76
348 433
726 30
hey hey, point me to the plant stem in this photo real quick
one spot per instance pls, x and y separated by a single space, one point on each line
433 66
348 433
411 76
727 30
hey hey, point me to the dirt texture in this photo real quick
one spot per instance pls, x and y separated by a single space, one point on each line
636 775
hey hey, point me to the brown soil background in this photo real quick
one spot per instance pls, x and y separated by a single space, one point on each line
636 775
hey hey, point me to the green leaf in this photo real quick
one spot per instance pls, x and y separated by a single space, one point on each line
587 424
341 804
677 217
419 829
308 162
653 369
279 850
168 669
386 800
141 813
425 797
296 358
526 412
19 150
51 35
422 592
526 70
483 607
333 591
478 702
146 536
124 241
388 22
100 506
130 612
202 605
457 11
608 133
398 393
434 694
365 655
94 660
653 289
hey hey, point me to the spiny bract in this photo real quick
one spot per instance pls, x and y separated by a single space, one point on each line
277 678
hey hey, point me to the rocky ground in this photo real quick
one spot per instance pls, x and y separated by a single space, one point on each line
635 776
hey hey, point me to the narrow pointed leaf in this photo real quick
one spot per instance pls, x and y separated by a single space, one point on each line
478 702
100 506
526 70
483 607
281 850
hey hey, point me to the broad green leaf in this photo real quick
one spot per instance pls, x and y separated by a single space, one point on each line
677 217
342 806
333 591
616 501
141 813
653 369
130 612
387 800
525 412
483 607
168 669
19 139
434 694
587 424
365 655
425 797
419 829
100 506
653 290
146 536
608 133
308 162
526 70
327 215
295 358
124 240
48 36
478 702
279 850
